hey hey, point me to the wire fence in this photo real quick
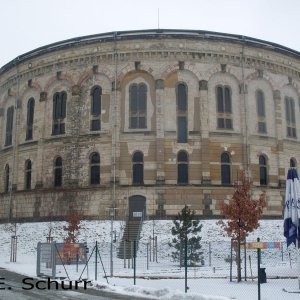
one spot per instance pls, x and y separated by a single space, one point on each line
216 270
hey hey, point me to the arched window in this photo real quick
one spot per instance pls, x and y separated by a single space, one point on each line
182 109
290 117
138 106
182 168
224 107
6 178
9 125
293 163
58 172
59 112
28 169
96 108
95 168
263 170
261 113
30 115
138 168
225 168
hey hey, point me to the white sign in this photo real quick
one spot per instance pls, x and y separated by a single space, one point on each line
137 214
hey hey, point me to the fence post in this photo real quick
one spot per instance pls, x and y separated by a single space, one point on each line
150 248
231 257
185 265
258 270
245 257
156 248
53 259
124 253
132 254
96 260
209 254
38 259
153 256
134 262
147 256
13 248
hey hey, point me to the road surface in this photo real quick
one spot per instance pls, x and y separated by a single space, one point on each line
12 287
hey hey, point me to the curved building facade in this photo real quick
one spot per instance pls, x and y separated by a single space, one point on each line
140 123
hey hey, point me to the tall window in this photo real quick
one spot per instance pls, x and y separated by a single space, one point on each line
95 168
182 168
96 108
224 107
9 125
263 173
225 168
290 117
28 167
293 163
182 109
6 178
59 113
138 168
30 115
138 105
58 172
261 113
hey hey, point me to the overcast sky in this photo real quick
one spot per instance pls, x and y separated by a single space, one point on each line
29 24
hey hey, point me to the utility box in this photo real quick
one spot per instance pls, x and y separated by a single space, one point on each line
262 276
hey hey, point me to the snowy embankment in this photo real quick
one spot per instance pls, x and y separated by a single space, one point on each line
30 234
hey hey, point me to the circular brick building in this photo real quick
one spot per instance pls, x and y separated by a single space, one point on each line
139 123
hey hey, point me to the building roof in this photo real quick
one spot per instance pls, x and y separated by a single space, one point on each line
151 34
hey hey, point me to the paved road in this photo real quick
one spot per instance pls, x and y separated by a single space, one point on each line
11 288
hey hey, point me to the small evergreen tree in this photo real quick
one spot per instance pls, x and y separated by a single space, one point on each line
185 227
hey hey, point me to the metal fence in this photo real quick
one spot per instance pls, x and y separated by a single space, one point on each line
152 259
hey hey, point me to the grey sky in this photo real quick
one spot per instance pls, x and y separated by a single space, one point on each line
29 24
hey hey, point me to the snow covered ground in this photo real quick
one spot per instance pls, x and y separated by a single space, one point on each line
164 279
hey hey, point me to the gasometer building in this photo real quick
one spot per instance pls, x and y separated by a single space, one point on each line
140 123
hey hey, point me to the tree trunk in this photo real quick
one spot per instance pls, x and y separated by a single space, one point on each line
239 271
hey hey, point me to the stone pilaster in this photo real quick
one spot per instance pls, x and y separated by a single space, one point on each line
204 129
279 135
160 151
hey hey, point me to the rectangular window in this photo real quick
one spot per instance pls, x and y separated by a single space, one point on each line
225 174
220 100
142 122
227 100
9 126
182 129
291 132
228 123
59 113
224 123
95 125
138 106
95 175
58 128
224 107
133 122
29 133
262 128
290 117
221 123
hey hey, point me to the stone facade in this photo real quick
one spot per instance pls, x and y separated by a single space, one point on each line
160 61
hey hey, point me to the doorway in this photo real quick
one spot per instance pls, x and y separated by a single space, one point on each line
137 207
